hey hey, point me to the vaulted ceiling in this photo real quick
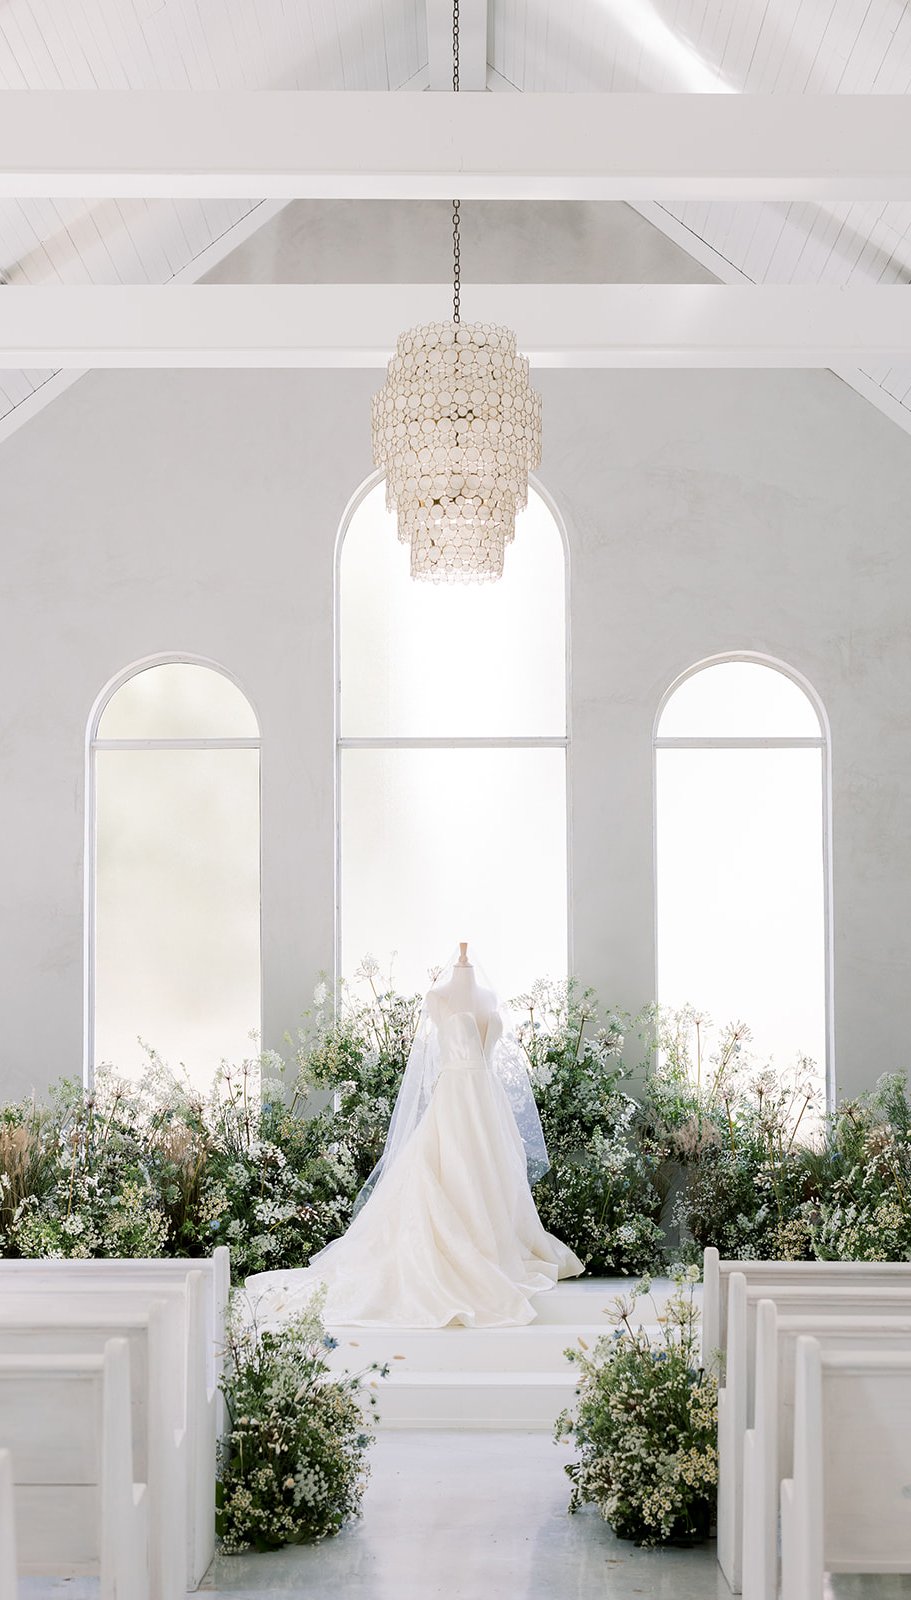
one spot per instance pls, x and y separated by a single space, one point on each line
654 46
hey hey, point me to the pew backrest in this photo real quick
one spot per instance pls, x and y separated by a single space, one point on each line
847 1507
9 1575
717 1274
65 1421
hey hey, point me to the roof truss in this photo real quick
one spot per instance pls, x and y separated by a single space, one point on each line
356 325
368 144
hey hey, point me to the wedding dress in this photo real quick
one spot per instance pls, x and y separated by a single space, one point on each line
448 1231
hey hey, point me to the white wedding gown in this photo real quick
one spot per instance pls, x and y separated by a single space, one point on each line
450 1234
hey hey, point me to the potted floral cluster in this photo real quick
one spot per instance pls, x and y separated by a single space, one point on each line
293 1462
645 1422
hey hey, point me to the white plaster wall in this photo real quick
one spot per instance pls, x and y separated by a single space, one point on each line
706 512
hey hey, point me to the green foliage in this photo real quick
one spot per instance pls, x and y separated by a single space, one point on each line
644 1424
733 1131
292 1465
600 1195
718 1150
863 1206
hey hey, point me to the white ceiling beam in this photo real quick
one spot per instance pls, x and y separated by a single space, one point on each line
472 44
355 325
366 144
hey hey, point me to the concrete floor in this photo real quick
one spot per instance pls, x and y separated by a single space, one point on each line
471 1516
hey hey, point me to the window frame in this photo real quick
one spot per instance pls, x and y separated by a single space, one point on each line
823 743
93 746
497 742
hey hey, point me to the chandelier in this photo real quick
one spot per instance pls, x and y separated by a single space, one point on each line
457 429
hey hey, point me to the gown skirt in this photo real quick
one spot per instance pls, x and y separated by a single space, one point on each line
450 1233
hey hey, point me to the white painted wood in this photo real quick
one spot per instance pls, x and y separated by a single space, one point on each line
204 1285
9 1580
472 45
367 144
736 1395
356 325
66 1423
215 1271
716 1276
769 1444
42 1320
847 1507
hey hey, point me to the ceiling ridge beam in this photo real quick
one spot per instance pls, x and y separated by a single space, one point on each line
369 144
355 325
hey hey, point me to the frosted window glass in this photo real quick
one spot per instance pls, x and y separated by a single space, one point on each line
444 845
177 959
451 660
739 700
178 700
741 893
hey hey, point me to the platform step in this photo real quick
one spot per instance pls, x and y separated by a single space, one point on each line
525 1400
538 1348
490 1377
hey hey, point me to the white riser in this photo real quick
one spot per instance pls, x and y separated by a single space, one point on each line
489 1377
527 1400
539 1348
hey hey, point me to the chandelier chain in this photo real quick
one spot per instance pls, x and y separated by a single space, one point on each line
456 220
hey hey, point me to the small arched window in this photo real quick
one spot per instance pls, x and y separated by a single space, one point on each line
174 904
742 856
452 756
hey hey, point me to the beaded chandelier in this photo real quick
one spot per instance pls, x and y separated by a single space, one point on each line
457 429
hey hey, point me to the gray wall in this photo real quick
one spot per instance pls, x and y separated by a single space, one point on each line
152 512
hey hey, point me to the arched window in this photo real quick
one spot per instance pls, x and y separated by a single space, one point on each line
452 756
742 852
174 882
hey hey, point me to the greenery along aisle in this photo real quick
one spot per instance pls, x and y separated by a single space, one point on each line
292 1466
712 1149
645 1423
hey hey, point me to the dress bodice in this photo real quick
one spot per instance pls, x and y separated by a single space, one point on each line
460 1041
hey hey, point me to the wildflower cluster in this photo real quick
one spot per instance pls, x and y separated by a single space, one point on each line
644 1424
599 1196
293 1464
714 1147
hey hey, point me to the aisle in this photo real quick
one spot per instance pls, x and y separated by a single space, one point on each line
471 1516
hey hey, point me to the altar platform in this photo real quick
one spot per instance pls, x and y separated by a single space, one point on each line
497 1378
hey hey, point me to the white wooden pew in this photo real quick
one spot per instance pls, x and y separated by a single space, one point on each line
160 1337
66 1423
9 1576
215 1269
716 1277
847 1507
769 1444
205 1420
735 1398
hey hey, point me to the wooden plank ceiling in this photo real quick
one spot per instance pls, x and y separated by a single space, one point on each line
718 46
737 46
174 44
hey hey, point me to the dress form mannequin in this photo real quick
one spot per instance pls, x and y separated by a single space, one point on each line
448 1232
463 993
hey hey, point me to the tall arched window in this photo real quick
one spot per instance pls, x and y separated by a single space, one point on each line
452 756
174 907
742 852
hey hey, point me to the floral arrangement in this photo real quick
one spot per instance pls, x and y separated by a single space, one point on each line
733 1133
600 1196
712 1148
292 1466
645 1424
